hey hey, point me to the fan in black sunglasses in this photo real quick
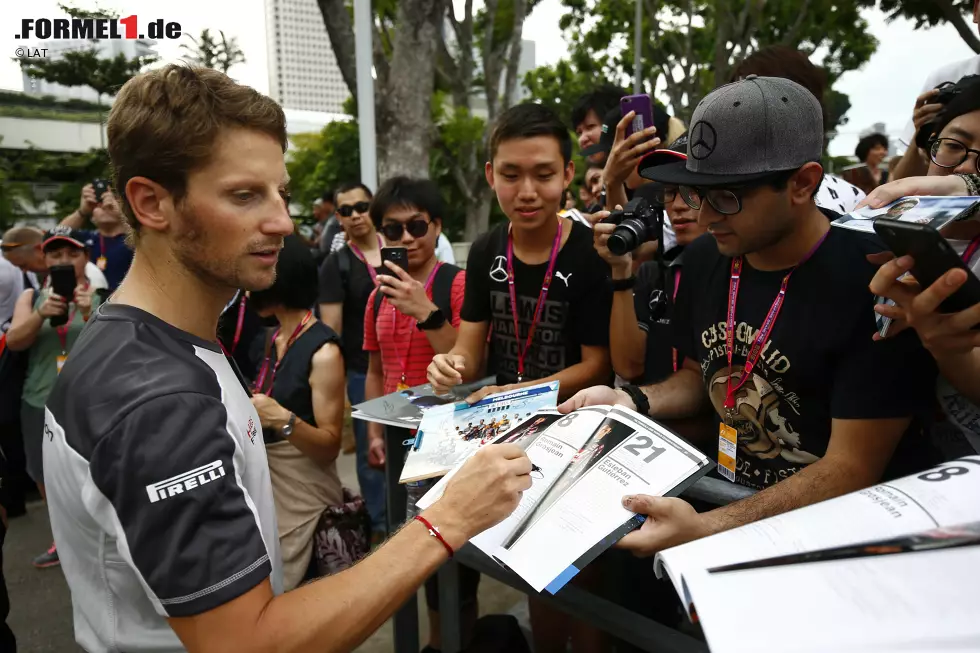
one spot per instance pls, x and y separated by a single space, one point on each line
417 227
347 210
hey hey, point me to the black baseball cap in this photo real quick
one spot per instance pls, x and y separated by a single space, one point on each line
746 131
62 233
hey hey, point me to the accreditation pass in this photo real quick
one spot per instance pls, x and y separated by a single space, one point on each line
727 448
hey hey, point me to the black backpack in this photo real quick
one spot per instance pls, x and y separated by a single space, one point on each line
442 290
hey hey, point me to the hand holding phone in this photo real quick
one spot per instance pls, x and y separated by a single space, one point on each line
100 186
642 106
397 255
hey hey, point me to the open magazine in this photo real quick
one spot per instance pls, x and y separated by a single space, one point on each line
937 212
404 407
449 434
583 464
872 570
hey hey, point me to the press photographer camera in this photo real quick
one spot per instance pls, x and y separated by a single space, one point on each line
636 223
956 98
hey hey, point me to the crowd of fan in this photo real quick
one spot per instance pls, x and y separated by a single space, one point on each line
747 311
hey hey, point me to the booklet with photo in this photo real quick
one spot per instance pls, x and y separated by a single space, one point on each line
449 434
937 212
819 559
583 464
404 407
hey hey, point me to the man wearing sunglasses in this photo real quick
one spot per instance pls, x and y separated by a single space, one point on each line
347 279
774 322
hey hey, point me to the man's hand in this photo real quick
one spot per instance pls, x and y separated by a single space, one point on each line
669 522
445 372
488 390
627 152
405 293
597 395
912 186
110 204
925 111
52 305
944 335
88 201
271 414
621 266
483 493
376 451
83 299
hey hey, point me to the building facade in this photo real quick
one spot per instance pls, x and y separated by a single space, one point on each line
303 72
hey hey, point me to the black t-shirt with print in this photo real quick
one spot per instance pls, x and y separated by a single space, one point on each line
653 302
348 282
820 362
576 311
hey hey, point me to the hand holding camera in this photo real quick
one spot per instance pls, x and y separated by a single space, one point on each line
636 223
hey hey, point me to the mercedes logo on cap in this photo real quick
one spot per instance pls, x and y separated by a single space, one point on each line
703 140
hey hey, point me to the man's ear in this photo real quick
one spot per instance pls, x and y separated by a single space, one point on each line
151 203
569 174
805 183
488 171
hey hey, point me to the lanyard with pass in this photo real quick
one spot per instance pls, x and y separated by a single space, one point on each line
62 332
265 371
971 249
101 261
542 296
728 436
677 284
363 259
403 380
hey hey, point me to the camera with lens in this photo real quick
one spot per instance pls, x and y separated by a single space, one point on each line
968 87
636 223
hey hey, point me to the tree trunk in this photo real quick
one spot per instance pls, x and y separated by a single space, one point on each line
478 216
404 123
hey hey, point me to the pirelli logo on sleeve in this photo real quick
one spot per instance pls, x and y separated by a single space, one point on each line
185 482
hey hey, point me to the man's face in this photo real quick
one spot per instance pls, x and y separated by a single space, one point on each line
530 178
107 214
422 248
67 255
229 228
683 219
358 223
764 220
965 130
28 258
593 181
589 131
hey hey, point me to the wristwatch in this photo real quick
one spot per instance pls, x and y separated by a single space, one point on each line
435 321
623 284
287 430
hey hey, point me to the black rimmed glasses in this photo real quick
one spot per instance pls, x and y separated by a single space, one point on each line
416 228
723 200
950 153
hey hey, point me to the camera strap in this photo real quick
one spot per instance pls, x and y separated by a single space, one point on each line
542 296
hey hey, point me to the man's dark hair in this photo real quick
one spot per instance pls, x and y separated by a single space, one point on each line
347 187
406 192
780 181
866 144
787 63
296 279
529 120
601 100
329 195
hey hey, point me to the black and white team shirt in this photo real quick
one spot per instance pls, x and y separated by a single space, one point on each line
157 481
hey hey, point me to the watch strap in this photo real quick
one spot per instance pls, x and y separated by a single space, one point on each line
639 398
435 321
623 284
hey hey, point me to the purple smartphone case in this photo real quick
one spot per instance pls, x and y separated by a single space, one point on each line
643 107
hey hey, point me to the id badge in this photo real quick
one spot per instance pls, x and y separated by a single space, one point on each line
401 386
61 362
727 451
100 263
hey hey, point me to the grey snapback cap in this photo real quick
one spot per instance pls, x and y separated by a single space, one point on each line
746 131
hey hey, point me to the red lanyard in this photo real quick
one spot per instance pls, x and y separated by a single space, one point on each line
260 383
62 331
522 351
677 284
971 249
238 325
763 336
361 257
411 330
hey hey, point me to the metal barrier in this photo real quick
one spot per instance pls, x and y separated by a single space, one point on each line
626 625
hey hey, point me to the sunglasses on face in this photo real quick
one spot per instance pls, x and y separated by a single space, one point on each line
416 228
347 210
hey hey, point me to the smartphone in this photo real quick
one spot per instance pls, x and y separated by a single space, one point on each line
934 257
63 284
397 255
100 186
643 107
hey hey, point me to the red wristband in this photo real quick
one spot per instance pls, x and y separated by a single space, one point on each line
434 532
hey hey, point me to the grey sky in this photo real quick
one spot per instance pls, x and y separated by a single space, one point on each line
883 91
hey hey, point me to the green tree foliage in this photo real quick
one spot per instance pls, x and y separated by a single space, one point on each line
929 13
693 45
